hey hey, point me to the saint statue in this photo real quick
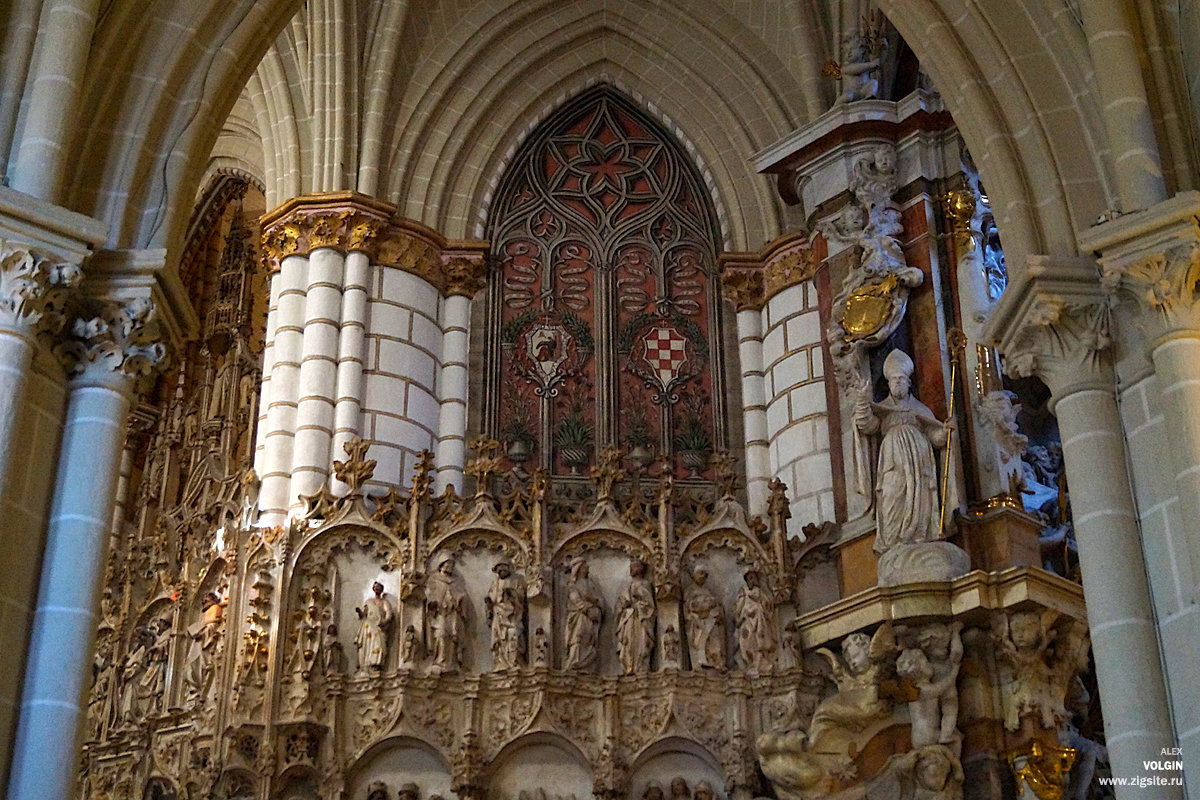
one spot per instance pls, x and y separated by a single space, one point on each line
705 624
906 486
585 610
755 625
201 657
505 602
446 615
375 617
636 616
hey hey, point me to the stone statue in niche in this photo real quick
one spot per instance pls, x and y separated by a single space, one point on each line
755 614
932 667
653 791
636 618
375 620
505 603
104 670
446 616
704 791
670 644
864 665
377 790
152 683
705 624
409 791
585 610
333 655
408 647
680 789
906 480
198 670
541 648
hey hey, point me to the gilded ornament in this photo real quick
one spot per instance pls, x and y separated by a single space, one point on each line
356 470
464 277
793 268
1043 767
869 307
960 207
744 287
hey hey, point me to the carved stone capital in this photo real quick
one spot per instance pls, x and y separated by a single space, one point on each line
742 285
112 336
465 273
33 287
1054 322
354 223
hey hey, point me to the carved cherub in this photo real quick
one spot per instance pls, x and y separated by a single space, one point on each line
933 667
863 666
1042 666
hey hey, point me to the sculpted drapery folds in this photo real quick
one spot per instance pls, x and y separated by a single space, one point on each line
906 486
375 617
206 636
505 602
756 636
705 624
446 615
585 610
636 617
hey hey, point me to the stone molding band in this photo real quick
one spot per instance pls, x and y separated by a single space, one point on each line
352 222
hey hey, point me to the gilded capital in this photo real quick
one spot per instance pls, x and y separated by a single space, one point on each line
33 287
788 268
743 286
353 223
464 275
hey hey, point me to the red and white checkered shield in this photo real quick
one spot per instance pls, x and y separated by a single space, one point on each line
666 351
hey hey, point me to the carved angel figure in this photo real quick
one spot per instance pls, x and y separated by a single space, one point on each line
756 637
585 610
636 618
375 617
705 624
505 603
858 64
1041 664
906 486
858 673
446 615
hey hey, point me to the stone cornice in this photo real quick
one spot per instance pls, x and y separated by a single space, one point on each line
351 222
751 279
1053 322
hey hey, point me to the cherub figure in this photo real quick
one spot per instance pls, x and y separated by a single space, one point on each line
858 64
933 667
858 674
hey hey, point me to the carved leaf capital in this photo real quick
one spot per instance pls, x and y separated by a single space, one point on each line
33 288
118 336
1164 286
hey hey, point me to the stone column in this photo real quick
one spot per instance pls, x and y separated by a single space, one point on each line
351 351
464 280
1132 142
110 348
743 286
1052 322
1151 263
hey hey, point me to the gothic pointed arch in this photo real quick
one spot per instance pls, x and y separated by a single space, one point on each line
603 311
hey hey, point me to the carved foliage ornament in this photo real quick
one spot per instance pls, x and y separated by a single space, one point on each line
1061 342
1166 284
32 287
115 335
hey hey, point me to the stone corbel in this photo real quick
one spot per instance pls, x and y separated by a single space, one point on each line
1054 322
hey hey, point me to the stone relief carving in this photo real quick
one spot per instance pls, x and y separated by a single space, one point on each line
636 618
585 610
206 636
505 604
371 641
445 612
757 638
932 667
705 624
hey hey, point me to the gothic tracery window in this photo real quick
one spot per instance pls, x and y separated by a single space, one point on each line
604 315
